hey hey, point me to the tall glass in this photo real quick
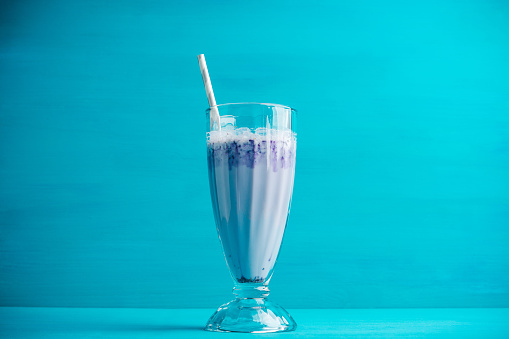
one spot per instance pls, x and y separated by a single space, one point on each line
251 160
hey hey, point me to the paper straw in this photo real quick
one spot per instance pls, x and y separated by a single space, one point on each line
214 113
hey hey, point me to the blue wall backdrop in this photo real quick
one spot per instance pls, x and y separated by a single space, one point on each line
402 190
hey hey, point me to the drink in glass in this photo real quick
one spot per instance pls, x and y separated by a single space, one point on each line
251 162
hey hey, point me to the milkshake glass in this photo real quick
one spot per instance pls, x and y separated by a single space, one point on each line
251 161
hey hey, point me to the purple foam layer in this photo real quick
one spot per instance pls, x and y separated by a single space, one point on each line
276 153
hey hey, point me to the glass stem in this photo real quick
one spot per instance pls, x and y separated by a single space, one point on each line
251 291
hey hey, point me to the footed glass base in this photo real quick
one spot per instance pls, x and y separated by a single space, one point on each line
251 315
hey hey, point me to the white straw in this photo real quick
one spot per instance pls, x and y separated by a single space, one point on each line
214 113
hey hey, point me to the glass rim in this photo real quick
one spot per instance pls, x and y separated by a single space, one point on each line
252 103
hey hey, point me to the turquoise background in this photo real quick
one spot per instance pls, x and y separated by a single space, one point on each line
402 189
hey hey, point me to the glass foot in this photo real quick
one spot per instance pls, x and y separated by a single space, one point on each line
251 315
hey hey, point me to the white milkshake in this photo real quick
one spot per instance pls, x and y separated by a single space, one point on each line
251 176
251 182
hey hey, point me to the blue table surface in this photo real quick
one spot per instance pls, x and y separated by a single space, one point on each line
26 322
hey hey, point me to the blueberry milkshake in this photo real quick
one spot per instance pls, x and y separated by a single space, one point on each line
251 177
